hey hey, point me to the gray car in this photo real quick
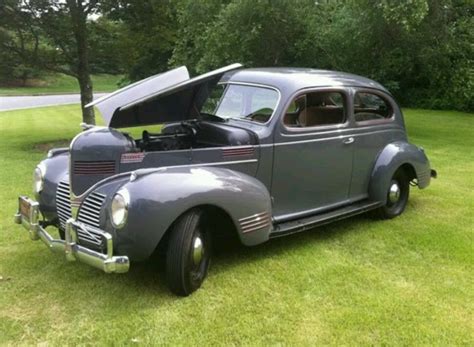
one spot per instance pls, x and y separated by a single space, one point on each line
247 153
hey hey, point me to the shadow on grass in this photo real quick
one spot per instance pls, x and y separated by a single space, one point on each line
144 286
144 274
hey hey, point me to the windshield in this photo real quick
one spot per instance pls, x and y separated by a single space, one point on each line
234 101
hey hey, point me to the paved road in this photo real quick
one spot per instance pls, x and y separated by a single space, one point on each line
18 102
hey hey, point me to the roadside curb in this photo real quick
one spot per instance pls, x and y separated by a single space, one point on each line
49 94
39 106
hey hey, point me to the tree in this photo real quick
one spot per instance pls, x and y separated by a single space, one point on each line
60 31
193 19
147 34
421 50
19 42
78 13
252 32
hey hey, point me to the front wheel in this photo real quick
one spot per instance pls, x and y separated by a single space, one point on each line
398 191
188 253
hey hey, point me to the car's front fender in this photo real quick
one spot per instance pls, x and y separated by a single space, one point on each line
158 197
392 157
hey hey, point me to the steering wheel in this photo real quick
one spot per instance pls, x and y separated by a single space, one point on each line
263 113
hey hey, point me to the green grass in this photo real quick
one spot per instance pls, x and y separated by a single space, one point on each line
60 84
407 281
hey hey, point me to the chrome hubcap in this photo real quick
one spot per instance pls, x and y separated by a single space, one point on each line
198 250
394 193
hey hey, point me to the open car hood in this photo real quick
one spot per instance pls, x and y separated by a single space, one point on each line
168 97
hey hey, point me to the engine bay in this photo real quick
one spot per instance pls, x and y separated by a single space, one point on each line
194 134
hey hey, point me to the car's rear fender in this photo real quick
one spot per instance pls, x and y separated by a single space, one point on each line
158 197
391 158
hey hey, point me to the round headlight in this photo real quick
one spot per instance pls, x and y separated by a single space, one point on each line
119 208
38 179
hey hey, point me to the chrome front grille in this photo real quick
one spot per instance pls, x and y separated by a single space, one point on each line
91 236
63 203
89 214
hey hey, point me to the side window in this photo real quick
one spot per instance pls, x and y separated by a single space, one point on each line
316 109
371 107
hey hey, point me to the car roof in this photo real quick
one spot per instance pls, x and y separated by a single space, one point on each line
285 78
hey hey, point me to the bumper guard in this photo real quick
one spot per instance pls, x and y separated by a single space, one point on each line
28 216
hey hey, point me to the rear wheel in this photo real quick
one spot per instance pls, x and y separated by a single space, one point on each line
398 192
188 253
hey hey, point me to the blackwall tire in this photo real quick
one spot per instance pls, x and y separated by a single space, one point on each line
188 253
398 192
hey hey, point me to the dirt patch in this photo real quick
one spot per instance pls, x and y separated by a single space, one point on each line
46 146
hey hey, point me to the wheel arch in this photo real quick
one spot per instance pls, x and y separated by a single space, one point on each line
394 156
159 198
222 228
409 170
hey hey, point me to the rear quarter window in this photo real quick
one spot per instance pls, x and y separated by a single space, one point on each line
371 107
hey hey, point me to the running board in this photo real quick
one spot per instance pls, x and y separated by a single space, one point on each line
303 224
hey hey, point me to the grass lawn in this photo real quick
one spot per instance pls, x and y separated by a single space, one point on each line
407 281
60 84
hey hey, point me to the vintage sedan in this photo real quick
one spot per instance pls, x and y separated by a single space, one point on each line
250 153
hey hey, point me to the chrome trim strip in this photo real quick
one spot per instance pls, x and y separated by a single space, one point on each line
236 162
258 227
237 151
163 168
340 136
255 222
253 216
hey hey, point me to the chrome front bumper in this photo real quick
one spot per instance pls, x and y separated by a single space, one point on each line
28 216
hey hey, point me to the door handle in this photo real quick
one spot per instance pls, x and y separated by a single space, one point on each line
348 141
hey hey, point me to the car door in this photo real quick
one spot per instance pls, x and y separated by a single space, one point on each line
375 126
313 153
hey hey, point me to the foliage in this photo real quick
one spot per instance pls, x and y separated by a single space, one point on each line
59 31
147 36
407 281
19 44
106 46
420 49
193 20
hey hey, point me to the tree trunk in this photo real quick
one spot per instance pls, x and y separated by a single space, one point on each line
79 20
85 84
24 78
